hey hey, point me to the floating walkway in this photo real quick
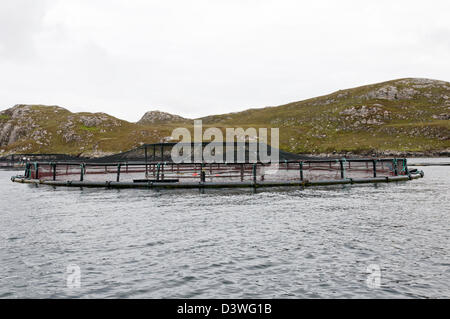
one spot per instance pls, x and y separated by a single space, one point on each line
200 185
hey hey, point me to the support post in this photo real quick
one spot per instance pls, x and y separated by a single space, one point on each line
54 171
118 172
341 163
301 170
203 176
202 173
36 170
146 160
254 173
394 165
374 162
81 172
157 171
27 170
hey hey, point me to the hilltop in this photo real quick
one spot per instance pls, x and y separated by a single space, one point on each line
158 117
400 116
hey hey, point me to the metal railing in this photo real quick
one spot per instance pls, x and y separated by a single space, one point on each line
164 171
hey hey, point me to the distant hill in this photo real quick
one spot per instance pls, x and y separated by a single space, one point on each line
158 117
52 129
405 115
400 116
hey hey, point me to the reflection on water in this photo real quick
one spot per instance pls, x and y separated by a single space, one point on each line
282 243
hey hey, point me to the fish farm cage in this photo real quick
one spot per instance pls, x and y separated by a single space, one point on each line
150 166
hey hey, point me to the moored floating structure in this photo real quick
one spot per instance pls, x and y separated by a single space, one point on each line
151 166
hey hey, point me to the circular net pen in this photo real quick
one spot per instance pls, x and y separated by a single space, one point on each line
151 166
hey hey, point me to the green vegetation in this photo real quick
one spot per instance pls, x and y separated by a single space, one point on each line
406 115
356 121
89 128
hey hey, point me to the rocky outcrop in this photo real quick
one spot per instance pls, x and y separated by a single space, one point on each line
373 115
16 123
398 90
158 117
408 89
31 128
443 116
99 119
390 92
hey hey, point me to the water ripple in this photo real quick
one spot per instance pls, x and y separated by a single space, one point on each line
279 243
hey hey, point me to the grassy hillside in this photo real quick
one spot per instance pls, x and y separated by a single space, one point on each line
52 129
406 115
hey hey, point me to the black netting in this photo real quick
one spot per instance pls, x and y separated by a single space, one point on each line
162 153
153 163
309 170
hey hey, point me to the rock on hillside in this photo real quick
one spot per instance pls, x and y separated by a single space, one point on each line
158 117
28 128
52 129
24 122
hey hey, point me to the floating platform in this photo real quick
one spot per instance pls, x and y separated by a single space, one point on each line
151 166
205 185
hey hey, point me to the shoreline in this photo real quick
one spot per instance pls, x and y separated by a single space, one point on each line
431 154
327 155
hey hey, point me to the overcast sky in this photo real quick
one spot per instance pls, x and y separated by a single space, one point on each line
195 58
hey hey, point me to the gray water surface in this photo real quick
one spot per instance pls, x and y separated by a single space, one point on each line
281 243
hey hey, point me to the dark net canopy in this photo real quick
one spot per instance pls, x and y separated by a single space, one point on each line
162 152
